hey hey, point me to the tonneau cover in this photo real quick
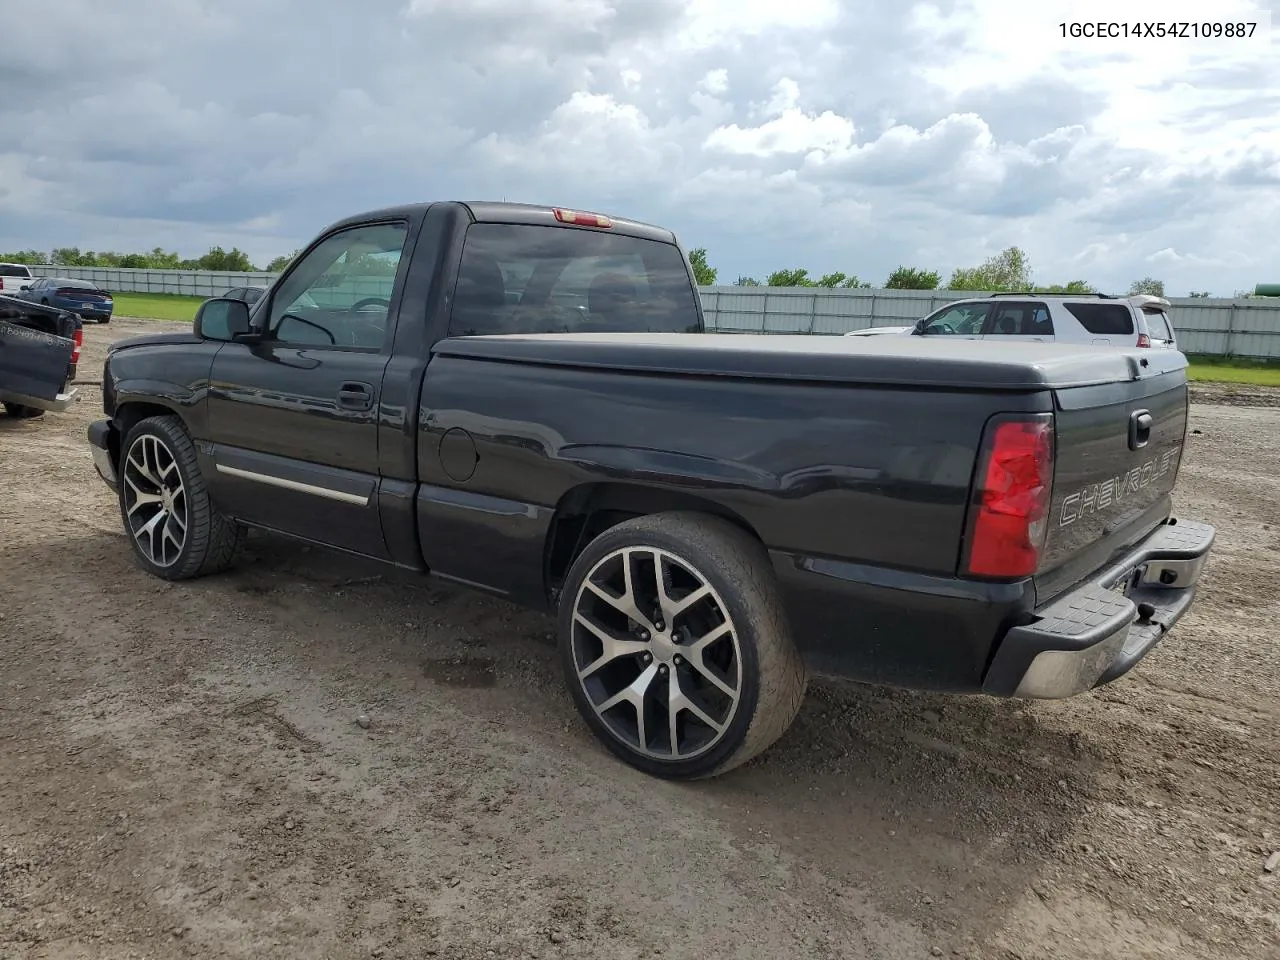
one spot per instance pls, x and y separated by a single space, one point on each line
906 361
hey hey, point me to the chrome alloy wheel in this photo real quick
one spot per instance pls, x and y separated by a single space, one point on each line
155 500
656 653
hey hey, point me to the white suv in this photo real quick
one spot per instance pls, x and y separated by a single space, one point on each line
12 278
1138 321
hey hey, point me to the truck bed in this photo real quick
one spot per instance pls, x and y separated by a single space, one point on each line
922 362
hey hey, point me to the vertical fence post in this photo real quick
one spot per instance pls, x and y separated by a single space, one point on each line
813 310
1231 330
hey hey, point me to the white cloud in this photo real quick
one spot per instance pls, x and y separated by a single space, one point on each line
788 131
852 136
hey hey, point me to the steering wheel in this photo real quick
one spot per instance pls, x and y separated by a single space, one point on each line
368 302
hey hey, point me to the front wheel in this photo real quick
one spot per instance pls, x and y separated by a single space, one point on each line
676 647
176 530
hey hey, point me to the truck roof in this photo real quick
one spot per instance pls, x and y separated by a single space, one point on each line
901 361
493 211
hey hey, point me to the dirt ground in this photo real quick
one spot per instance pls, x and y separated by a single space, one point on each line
183 772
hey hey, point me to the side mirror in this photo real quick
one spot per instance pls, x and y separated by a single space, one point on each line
222 319
24 287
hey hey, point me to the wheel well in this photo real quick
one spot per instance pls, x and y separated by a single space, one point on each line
587 511
127 416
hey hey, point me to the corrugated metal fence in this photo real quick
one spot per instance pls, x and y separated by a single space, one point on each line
1243 327
191 283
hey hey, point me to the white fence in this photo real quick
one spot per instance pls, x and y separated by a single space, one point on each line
1244 327
191 283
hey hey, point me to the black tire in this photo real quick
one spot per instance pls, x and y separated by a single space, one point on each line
22 412
772 675
210 540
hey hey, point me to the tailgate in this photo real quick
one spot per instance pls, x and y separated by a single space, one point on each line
33 364
1118 449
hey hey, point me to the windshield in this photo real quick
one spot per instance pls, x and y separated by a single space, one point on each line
523 278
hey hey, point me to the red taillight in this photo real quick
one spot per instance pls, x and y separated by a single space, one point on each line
1144 340
582 219
1011 498
78 339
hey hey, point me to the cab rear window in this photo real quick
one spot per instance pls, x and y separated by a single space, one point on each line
13 270
525 278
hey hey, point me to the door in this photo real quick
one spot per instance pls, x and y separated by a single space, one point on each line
1019 321
293 419
957 320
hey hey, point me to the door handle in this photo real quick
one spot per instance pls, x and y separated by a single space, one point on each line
355 396
1139 429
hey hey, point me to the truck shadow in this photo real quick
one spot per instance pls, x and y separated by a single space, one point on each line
950 806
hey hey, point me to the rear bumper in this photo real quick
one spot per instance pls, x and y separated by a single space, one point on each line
1098 631
58 404
101 437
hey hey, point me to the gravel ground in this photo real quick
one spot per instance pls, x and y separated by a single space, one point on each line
311 757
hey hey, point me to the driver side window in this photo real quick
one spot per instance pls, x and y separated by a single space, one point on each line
339 294
964 319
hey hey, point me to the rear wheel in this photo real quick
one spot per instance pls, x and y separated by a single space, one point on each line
676 647
21 411
175 529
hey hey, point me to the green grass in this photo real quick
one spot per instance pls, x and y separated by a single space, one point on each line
157 306
1210 369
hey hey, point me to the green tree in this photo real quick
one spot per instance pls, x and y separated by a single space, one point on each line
911 278
798 277
703 273
30 257
843 280
1147 285
279 264
234 259
746 282
1007 271
1071 287
1199 295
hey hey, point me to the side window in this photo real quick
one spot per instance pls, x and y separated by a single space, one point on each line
1020 320
339 294
964 319
1103 319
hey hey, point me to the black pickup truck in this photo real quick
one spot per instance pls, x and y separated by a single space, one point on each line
39 353
523 400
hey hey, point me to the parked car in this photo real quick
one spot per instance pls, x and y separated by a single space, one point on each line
249 295
13 277
81 297
1094 319
39 355
531 407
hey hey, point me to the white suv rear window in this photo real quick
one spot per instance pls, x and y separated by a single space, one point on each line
1158 324
13 270
1103 319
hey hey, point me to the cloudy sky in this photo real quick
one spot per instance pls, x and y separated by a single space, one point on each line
828 134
